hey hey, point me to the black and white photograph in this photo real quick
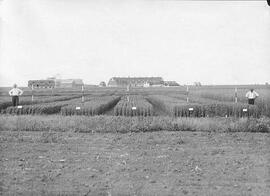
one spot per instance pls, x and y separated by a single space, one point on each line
134 97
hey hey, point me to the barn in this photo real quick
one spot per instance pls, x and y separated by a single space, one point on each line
69 83
135 81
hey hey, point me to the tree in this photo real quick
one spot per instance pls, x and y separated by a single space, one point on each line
102 84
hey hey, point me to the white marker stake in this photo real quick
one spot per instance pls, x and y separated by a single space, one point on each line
82 93
190 109
245 110
235 95
19 106
78 108
32 93
187 95
133 108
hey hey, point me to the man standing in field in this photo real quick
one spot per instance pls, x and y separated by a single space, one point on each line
251 96
15 93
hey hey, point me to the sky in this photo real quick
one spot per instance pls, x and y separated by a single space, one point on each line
213 42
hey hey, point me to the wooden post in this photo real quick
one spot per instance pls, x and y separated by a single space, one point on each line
32 98
82 94
187 94
128 92
235 95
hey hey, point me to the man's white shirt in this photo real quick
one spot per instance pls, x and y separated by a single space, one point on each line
15 92
252 95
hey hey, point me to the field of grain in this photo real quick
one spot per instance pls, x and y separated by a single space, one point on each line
202 102
149 141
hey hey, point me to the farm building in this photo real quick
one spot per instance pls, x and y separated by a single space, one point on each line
69 83
135 81
41 83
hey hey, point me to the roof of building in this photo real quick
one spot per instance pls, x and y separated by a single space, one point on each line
70 81
137 78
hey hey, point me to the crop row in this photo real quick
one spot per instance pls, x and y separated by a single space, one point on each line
41 108
94 106
133 105
180 108
6 101
227 95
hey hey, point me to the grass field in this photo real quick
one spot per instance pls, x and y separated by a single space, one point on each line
145 142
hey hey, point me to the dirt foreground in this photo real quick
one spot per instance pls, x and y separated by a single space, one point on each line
153 163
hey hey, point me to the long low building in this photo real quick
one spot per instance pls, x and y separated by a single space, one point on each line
135 81
69 83
56 83
41 83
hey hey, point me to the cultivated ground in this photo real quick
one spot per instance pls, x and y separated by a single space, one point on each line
47 152
152 163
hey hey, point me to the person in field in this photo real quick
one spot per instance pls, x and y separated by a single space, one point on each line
15 93
251 96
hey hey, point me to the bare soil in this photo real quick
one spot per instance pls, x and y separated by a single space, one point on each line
153 163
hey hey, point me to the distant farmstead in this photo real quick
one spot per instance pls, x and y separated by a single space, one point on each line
135 81
69 83
41 83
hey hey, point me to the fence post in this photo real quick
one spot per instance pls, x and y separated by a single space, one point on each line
82 93
187 94
32 98
235 95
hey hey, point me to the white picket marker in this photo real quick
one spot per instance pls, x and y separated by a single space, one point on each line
134 108
82 93
78 108
235 95
187 94
190 109
32 98
245 110
19 106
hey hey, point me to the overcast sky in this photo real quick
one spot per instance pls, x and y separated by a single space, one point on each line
210 42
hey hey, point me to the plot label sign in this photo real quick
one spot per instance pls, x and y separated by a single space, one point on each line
245 110
133 108
19 106
78 108
190 109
